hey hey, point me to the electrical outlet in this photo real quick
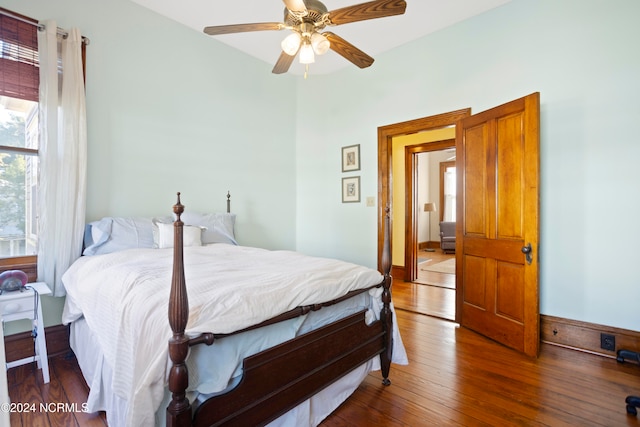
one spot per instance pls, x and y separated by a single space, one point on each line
608 342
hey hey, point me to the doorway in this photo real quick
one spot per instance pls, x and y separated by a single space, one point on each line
435 212
390 196
430 264
428 202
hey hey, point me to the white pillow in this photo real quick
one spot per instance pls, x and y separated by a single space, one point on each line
218 227
163 238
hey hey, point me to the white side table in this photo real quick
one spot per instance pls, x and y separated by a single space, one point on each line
27 305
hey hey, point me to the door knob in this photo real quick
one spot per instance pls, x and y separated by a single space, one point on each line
528 252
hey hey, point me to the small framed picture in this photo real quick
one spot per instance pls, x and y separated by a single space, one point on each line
351 189
351 158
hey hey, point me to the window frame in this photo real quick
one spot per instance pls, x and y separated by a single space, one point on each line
26 263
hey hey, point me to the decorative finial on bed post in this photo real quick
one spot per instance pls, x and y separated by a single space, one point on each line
178 208
228 201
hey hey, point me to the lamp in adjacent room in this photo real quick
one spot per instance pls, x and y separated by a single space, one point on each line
429 207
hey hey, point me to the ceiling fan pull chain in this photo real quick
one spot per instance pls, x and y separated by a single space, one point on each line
306 71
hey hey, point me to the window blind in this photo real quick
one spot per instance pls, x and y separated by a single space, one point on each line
19 74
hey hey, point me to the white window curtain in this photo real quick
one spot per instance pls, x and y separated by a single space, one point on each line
63 154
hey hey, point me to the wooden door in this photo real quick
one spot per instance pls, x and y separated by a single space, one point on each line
498 228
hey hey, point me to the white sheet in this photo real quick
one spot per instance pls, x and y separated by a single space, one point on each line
123 297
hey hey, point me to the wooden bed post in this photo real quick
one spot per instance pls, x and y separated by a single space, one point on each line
179 409
385 314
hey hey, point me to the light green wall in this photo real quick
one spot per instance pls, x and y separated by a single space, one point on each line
171 109
275 141
581 55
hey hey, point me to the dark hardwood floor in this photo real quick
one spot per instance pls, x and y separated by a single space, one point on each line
62 397
455 377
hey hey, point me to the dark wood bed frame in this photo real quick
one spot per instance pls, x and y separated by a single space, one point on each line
277 379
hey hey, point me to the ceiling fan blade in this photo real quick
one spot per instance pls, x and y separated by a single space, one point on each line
295 5
242 28
283 64
369 10
348 51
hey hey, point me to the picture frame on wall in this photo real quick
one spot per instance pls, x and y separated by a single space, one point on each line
351 189
351 158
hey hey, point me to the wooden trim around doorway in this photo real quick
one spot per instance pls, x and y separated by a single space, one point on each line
385 178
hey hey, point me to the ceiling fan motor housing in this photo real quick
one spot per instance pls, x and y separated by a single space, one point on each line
315 12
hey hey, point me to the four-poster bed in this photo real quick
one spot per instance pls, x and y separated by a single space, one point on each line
280 378
304 332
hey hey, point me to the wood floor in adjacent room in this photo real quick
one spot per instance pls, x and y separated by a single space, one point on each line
454 377
433 293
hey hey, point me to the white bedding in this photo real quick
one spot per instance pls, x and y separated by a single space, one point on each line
124 296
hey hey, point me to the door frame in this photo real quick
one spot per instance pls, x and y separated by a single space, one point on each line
385 150
411 202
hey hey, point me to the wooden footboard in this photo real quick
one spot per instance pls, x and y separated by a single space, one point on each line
284 376
277 379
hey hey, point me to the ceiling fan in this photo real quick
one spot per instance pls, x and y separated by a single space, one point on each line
306 19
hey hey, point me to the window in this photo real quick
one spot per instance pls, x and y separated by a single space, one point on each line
19 81
18 176
448 190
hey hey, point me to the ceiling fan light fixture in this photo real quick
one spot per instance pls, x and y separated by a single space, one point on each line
291 44
306 54
320 43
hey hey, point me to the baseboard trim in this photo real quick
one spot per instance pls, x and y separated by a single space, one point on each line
428 245
19 346
573 334
397 271
583 336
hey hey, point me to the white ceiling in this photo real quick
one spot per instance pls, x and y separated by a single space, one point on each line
373 36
